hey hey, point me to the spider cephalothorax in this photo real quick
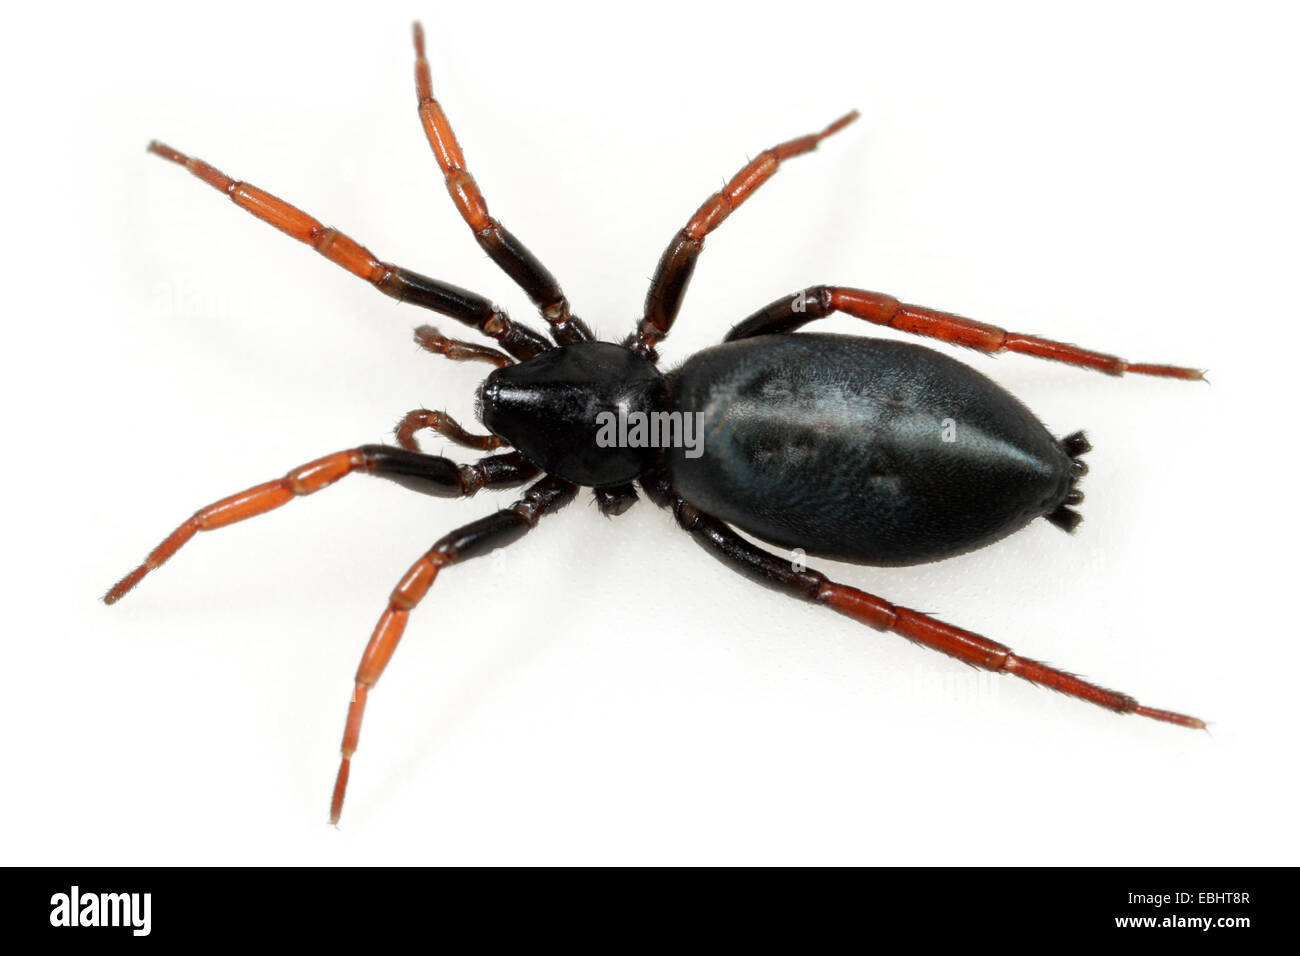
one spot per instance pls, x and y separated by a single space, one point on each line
555 408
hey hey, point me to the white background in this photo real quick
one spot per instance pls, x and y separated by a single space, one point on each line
1121 176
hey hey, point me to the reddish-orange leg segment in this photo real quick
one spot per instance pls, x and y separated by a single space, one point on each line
676 265
792 312
487 534
427 473
445 425
503 248
979 651
770 570
431 340
394 281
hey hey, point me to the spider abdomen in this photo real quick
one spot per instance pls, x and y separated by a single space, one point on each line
863 450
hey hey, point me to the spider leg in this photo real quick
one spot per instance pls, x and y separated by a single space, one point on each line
431 340
503 248
791 312
769 570
401 284
676 265
474 539
425 473
444 425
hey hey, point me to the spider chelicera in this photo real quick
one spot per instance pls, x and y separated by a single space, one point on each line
869 451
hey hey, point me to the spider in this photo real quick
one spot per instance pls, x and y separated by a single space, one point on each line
863 450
